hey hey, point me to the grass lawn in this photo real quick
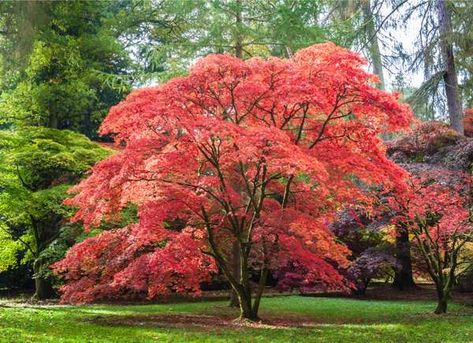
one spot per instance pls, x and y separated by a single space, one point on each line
289 319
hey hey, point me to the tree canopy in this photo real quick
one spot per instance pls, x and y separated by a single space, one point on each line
262 153
38 166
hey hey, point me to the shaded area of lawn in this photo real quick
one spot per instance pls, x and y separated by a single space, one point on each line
293 318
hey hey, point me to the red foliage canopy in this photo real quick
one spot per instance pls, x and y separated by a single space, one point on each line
257 152
434 206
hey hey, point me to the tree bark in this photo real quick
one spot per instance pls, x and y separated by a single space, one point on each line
246 308
260 290
238 38
403 278
373 44
442 303
43 287
450 75
234 300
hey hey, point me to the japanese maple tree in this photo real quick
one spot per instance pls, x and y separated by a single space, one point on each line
435 211
258 154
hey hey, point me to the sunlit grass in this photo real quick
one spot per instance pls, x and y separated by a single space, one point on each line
304 320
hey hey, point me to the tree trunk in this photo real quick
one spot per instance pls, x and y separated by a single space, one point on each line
247 302
234 299
246 309
373 44
249 306
442 300
260 290
234 302
238 38
43 287
403 277
450 75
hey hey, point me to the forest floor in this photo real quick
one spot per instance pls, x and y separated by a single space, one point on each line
285 319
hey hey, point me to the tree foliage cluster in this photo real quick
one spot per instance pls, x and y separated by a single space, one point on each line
38 166
259 155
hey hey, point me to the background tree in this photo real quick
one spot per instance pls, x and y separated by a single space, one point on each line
439 51
81 59
372 263
244 28
372 252
432 54
435 211
450 77
38 166
371 28
62 85
364 22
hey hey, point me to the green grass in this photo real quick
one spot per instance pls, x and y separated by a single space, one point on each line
319 320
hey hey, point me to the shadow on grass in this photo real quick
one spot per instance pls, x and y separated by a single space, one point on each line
294 319
281 313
